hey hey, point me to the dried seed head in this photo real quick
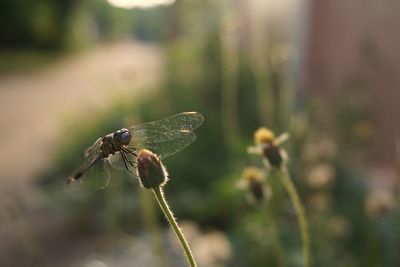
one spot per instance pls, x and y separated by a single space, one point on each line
252 182
263 135
152 172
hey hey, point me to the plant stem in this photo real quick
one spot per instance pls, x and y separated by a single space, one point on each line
273 231
168 213
229 78
149 214
299 209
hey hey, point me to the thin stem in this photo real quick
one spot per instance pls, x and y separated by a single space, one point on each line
273 230
151 223
168 213
229 76
299 209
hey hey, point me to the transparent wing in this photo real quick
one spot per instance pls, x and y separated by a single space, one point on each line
117 161
93 174
93 151
130 205
167 136
93 179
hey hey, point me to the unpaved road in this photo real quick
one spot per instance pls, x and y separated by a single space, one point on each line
31 104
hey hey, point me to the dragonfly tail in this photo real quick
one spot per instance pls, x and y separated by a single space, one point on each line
81 172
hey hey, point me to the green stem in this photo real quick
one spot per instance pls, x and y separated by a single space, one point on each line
168 213
273 230
151 223
229 78
299 209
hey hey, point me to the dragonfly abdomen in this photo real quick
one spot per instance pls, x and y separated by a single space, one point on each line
82 170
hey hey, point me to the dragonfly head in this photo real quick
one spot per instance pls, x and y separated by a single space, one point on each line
122 136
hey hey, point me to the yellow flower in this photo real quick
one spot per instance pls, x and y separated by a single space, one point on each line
263 135
252 174
253 183
267 145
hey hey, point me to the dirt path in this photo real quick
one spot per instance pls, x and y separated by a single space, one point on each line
31 104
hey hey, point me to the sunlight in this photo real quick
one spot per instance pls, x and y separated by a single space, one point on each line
139 3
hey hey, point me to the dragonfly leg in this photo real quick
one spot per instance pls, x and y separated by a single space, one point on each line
133 164
125 160
130 151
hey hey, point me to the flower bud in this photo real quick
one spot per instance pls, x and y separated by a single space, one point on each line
152 172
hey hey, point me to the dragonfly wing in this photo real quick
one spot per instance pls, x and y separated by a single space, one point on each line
91 155
168 136
93 151
96 177
125 161
165 147
93 174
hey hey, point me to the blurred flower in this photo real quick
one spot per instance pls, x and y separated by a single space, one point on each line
191 231
280 55
338 227
211 249
263 135
320 201
321 176
95 263
267 145
319 149
253 183
363 130
128 4
378 203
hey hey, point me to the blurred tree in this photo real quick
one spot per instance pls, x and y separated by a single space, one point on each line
29 23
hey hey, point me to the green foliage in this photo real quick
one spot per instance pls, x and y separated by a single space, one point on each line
203 176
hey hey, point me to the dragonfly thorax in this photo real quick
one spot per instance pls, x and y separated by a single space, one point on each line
114 142
122 137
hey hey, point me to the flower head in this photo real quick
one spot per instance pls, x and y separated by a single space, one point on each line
263 135
152 173
321 176
253 183
268 146
378 203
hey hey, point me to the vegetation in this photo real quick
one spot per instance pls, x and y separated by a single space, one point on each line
211 70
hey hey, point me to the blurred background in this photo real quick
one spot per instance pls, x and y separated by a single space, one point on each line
323 71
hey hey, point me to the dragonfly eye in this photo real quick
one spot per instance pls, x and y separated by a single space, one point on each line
123 136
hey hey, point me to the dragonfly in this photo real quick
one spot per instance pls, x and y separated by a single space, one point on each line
119 149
